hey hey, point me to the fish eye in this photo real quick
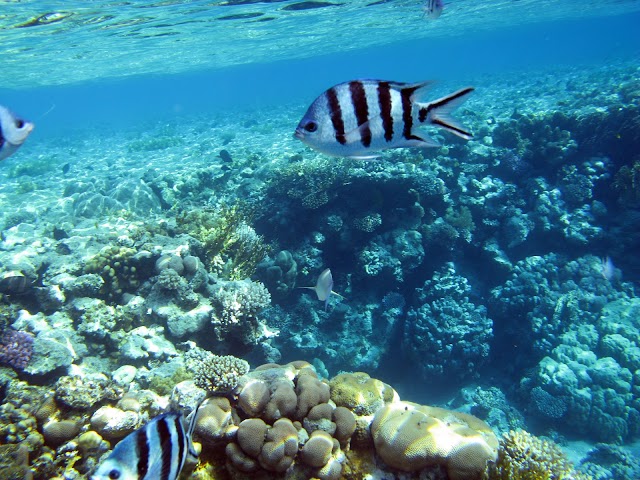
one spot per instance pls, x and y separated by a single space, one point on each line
311 127
113 474
19 123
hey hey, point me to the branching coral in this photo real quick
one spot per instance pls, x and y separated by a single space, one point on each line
231 245
215 373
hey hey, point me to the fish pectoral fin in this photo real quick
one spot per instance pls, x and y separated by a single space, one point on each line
420 142
337 295
354 135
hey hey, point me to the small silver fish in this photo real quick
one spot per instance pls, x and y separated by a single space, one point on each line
324 287
13 132
357 119
157 450
607 268
433 8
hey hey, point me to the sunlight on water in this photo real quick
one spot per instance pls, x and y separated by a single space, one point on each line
49 43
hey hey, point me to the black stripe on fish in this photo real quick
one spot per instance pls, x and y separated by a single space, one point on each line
166 446
142 447
181 442
407 112
384 100
336 115
359 101
422 114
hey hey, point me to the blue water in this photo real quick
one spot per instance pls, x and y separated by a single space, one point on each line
504 49
472 276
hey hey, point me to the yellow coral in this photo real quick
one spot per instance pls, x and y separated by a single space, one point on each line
522 456
410 437
360 393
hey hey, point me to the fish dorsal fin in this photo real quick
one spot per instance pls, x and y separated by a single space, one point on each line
417 90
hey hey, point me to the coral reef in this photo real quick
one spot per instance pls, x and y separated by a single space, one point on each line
522 456
215 373
16 349
447 334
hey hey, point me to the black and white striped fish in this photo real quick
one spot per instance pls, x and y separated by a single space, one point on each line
156 451
359 118
13 132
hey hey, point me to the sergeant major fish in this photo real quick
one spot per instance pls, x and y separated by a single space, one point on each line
13 132
358 118
156 451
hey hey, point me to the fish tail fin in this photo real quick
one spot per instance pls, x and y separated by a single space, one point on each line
439 112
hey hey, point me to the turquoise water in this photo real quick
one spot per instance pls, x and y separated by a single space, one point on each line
162 203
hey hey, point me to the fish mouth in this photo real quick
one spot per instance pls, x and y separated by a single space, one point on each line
298 134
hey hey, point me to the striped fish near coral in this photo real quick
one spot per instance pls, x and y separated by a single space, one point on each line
359 118
155 451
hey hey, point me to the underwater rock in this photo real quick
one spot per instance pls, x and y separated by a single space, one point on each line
181 323
113 423
136 196
53 350
124 375
143 342
82 393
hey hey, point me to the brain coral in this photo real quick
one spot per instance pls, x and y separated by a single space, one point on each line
410 437
360 393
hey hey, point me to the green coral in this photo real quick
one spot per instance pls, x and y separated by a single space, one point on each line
522 456
461 219
119 270
164 385
232 247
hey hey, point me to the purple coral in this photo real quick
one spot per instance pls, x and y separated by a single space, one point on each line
16 348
